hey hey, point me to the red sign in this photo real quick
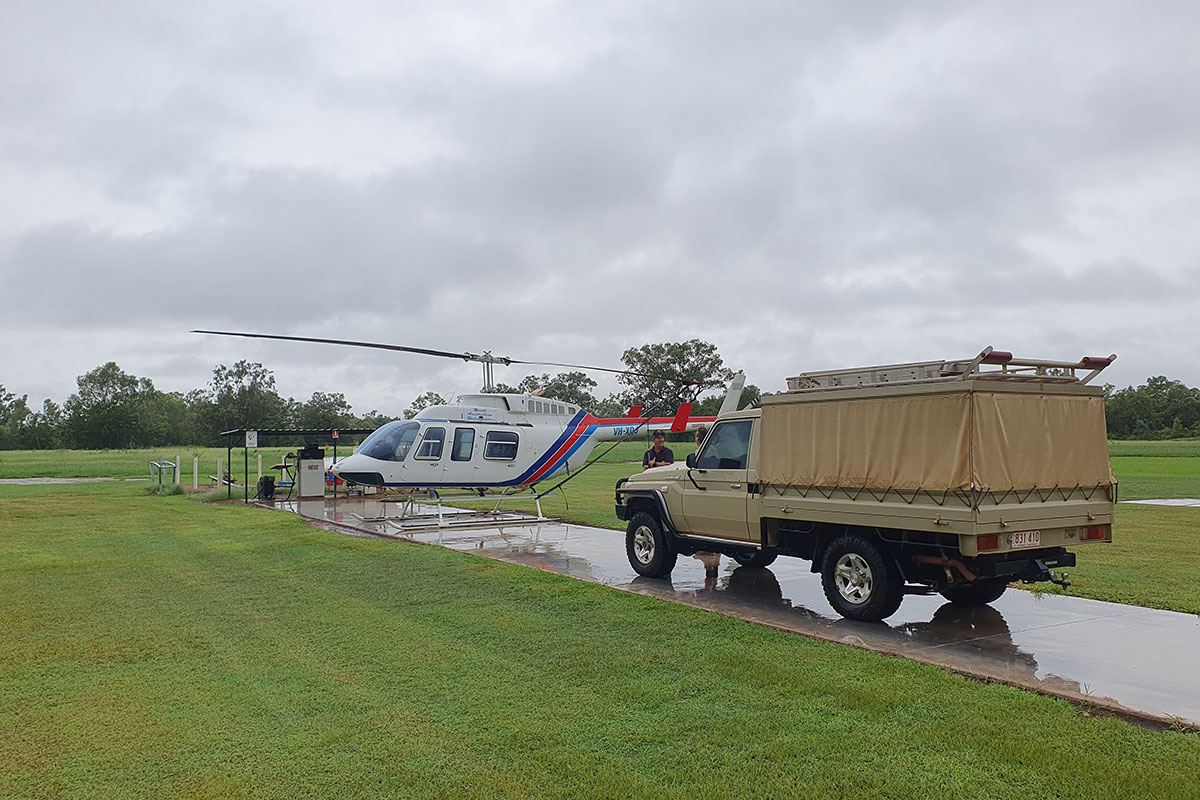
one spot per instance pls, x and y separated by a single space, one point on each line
335 434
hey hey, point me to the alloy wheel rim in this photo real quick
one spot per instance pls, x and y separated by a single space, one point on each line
854 579
643 545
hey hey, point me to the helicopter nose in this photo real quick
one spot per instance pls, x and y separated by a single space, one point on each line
357 469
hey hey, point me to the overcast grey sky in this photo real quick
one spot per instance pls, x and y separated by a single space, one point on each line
806 185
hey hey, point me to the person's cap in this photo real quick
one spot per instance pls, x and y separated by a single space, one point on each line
659 435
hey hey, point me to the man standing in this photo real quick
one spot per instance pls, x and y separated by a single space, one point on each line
659 455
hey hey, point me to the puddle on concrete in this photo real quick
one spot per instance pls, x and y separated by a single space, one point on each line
1118 656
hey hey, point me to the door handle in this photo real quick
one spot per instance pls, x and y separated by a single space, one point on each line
735 486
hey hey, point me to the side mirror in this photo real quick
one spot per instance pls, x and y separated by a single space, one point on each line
691 460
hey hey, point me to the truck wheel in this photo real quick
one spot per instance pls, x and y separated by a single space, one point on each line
649 552
860 582
976 593
755 558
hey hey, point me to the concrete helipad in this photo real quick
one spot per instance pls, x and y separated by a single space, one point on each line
1179 502
1123 658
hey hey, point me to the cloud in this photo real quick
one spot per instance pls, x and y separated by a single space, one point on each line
805 185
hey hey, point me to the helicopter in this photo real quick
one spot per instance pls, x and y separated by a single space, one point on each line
492 441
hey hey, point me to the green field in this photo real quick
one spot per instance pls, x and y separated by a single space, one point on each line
134 463
1152 562
1165 447
155 646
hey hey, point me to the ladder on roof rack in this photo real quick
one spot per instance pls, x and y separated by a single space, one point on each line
988 365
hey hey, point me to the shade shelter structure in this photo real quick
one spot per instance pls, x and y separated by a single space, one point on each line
309 436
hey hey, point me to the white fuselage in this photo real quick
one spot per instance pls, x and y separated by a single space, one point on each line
491 440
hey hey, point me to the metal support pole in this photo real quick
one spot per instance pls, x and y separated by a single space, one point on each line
246 474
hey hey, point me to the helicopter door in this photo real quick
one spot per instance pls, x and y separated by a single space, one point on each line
461 450
427 461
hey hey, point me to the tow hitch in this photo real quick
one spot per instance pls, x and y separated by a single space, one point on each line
1047 574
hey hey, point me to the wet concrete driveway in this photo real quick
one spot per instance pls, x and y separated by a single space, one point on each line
1120 657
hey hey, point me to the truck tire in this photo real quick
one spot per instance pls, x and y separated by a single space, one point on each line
859 580
646 545
755 558
976 593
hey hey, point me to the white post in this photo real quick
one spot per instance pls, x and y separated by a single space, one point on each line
195 472
178 464
260 466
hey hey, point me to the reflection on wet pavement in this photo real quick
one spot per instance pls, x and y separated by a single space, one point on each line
1122 657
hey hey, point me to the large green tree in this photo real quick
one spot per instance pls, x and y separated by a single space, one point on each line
107 409
323 411
244 396
664 375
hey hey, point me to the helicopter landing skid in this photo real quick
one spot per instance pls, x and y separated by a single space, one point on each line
430 513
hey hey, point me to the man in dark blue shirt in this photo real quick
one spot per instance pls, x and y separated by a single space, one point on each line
659 455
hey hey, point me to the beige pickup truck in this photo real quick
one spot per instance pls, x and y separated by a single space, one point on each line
955 477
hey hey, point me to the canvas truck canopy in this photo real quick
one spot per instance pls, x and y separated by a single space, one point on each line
972 435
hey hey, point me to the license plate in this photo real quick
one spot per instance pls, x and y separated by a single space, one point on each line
1025 539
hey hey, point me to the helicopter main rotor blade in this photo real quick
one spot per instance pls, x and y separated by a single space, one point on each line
486 357
669 378
397 347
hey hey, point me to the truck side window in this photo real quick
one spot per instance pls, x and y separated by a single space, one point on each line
727 446
464 444
431 444
500 446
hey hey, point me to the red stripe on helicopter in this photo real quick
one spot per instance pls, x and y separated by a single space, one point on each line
589 422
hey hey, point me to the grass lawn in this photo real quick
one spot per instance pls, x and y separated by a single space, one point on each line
1143 477
154 646
1152 562
1166 447
134 463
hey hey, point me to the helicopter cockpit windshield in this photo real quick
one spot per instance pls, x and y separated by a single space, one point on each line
391 442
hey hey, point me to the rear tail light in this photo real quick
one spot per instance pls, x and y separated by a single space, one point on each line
1093 532
989 542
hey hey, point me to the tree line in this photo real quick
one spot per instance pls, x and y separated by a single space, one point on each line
1158 409
114 410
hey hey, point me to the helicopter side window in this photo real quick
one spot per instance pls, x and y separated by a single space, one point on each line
464 444
431 444
391 442
500 446
727 447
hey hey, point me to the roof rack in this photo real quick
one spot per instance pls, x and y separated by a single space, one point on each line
988 365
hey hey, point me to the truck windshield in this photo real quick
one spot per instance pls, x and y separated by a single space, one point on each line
391 442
